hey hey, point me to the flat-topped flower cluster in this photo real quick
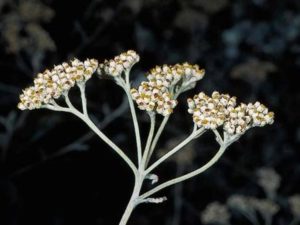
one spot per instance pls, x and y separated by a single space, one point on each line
51 84
157 94
154 99
163 85
220 109
175 78
119 64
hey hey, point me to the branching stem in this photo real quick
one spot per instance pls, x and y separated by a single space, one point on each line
126 88
186 176
174 150
83 98
149 140
92 126
156 137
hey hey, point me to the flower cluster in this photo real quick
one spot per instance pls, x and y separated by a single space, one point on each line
116 66
240 203
215 213
220 109
294 202
174 77
265 207
51 84
154 98
163 85
22 26
245 116
248 205
269 180
211 112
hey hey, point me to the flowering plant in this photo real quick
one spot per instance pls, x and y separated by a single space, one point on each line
157 96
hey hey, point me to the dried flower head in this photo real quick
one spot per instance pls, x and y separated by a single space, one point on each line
121 63
40 39
51 84
294 202
210 112
215 213
154 98
240 203
22 27
35 11
254 71
269 180
265 207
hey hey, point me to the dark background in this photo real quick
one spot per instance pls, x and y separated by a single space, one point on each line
249 49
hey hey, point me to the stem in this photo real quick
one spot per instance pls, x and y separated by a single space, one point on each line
159 132
126 88
188 175
127 212
174 150
149 140
219 139
268 220
156 138
178 198
251 216
133 202
83 98
89 122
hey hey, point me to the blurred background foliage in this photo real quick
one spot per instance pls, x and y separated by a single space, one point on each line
52 169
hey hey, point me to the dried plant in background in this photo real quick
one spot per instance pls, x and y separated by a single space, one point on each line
23 32
256 210
157 96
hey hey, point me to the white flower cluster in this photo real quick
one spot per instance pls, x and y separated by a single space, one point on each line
268 179
210 112
265 207
294 202
240 203
215 213
154 98
174 77
116 66
51 84
158 93
245 116
247 205
220 109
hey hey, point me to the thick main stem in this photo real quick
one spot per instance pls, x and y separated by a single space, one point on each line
127 213
133 202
